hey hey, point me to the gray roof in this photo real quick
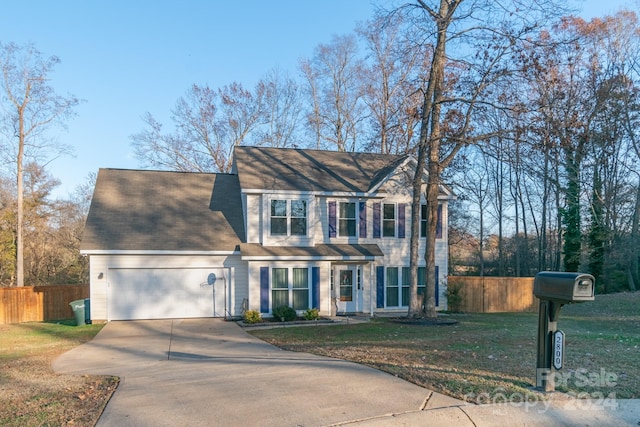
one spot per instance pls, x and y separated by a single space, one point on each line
327 251
136 210
172 211
311 170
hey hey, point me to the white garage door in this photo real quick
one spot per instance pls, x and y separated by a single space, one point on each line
166 293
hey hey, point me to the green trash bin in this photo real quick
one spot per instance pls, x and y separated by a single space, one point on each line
78 311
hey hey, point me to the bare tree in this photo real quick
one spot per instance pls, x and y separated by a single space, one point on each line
333 81
208 124
30 107
487 36
476 184
282 109
7 231
389 83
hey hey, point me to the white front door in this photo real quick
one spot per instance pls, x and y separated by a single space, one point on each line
348 292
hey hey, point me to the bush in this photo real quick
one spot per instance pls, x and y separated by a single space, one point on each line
285 313
252 316
312 314
455 297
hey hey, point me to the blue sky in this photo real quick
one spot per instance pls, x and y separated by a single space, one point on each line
127 57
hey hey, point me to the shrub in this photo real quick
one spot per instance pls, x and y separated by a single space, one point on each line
285 313
252 316
455 297
312 314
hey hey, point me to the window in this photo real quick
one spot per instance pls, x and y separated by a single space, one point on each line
406 274
423 222
288 218
347 219
290 287
422 276
398 292
388 220
279 287
346 285
298 218
300 288
392 287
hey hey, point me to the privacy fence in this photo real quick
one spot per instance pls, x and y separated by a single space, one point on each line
494 294
39 303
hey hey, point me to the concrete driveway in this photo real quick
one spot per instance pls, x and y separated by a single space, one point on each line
208 372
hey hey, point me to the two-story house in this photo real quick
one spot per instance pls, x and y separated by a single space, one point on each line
303 228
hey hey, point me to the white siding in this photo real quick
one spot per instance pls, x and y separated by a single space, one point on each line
101 264
253 218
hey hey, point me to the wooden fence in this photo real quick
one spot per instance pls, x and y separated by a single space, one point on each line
495 294
39 303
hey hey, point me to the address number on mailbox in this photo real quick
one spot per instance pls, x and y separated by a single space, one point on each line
558 349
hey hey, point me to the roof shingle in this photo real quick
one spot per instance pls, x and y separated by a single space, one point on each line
169 211
311 170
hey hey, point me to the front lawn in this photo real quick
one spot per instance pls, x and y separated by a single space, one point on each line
31 394
489 355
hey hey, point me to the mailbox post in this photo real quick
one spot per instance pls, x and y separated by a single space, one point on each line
555 289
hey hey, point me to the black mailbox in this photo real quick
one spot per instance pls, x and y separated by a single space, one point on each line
564 287
555 289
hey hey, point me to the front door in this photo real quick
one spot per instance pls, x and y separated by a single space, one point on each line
347 293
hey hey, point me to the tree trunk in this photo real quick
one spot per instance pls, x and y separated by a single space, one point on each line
571 216
428 145
429 150
20 197
415 304
634 253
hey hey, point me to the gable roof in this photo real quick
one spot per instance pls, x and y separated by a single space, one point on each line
164 211
311 170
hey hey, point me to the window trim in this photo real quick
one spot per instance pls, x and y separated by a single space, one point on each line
289 217
340 218
386 220
402 284
290 285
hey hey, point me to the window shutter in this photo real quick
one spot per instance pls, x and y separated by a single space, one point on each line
363 220
315 287
264 289
332 219
376 220
401 220
380 287
439 223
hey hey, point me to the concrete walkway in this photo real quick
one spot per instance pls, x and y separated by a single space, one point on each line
208 372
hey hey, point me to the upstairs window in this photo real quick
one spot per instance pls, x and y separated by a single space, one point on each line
347 219
288 218
423 222
388 220
278 217
298 218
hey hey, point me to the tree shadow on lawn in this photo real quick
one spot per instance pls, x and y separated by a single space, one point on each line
424 321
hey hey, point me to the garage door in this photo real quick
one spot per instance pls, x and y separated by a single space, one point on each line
169 293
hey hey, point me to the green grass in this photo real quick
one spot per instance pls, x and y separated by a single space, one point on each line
19 340
485 355
31 394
